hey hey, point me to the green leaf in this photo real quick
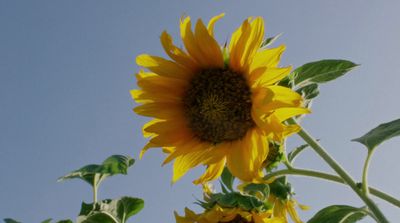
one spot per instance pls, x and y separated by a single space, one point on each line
254 189
65 221
270 40
97 217
321 71
380 134
94 174
227 179
47 220
338 214
118 209
9 220
309 92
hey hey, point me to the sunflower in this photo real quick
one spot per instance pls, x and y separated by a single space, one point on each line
213 105
228 215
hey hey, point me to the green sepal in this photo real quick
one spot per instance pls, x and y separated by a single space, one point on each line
255 189
269 41
233 200
380 134
281 188
275 156
94 173
120 209
227 179
338 213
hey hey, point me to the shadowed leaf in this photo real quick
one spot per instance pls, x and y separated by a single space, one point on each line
380 134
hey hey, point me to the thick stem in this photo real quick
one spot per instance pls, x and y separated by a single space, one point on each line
341 172
330 177
365 173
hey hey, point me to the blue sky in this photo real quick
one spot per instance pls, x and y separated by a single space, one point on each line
66 68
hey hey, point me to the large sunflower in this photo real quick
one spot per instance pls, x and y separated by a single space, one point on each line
228 215
214 105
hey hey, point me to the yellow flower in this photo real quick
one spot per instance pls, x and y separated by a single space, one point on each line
286 207
214 106
229 215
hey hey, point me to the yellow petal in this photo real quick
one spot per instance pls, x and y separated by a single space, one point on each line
267 58
277 97
211 23
152 122
245 157
190 43
265 77
163 67
150 81
187 161
237 46
285 113
209 47
161 110
212 172
176 53
160 95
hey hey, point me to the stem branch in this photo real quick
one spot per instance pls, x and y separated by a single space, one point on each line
330 177
365 173
341 172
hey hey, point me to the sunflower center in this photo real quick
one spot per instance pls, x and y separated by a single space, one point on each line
238 219
217 105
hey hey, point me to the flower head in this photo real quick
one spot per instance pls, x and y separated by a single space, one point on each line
213 108
229 215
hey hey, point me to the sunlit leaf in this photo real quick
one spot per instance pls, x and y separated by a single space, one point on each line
94 173
118 209
338 214
321 71
380 134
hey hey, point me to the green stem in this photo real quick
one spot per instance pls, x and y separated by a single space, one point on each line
341 172
365 173
330 177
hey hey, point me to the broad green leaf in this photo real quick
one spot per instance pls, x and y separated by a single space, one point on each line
97 218
254 189
94 173
321 71
47 220
227 179
9 220
120 209
65 221
309 92
270 40
338 214
380 134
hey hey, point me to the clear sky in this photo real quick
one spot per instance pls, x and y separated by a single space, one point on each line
66 68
